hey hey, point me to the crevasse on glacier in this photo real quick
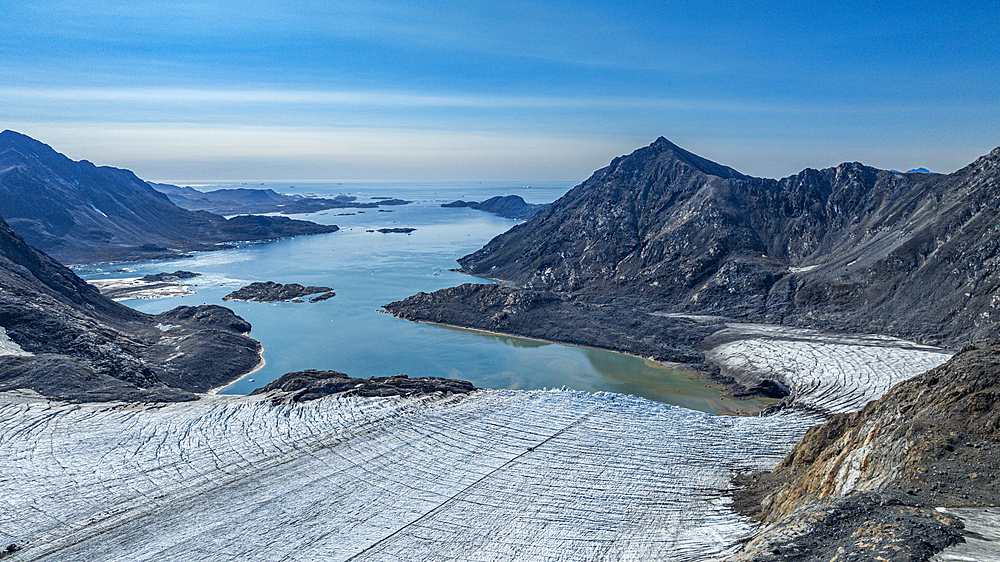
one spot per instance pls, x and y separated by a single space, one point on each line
497 475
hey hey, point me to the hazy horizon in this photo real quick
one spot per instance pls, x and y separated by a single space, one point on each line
398 90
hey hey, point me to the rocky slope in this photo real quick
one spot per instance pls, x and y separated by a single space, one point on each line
932 441
78 212
75 344
547 316
849 248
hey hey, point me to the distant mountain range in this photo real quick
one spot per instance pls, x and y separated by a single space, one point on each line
914 171
79 213
248 200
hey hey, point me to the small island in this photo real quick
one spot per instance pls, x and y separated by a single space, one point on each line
312 384
396 230
506 206
269 291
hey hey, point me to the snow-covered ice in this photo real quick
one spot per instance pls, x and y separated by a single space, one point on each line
8 347
498 475
829 373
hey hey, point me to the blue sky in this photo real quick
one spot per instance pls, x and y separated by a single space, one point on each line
514 90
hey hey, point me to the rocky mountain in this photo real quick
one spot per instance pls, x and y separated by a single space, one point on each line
507 206
849 248
247 200
78 212
60 337
662 233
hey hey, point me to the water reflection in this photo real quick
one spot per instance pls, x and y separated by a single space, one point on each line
506 340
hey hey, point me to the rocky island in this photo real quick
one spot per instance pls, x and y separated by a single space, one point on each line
396 230
506 206
269 291
240 201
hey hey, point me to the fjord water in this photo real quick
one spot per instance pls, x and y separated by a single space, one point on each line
349 333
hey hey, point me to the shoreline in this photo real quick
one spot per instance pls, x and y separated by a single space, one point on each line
260 365
128 288
696 375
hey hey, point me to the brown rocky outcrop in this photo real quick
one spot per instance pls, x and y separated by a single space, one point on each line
932 441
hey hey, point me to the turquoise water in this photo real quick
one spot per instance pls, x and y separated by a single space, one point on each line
348 333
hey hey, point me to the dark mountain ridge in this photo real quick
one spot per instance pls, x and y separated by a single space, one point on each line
79 212
850 248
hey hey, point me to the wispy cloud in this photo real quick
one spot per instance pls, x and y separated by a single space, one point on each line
558 87
402 99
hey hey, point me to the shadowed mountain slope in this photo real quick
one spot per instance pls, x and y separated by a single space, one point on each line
79 212
849 248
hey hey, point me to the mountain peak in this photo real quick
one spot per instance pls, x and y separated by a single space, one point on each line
704 165
23 143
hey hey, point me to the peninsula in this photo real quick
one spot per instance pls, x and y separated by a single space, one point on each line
81 213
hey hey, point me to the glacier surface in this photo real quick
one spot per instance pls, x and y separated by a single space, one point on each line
497 475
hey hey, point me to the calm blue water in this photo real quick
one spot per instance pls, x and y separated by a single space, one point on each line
348 333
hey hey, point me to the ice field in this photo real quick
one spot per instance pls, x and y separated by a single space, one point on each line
496 475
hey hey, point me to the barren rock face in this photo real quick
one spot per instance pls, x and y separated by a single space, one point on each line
850 248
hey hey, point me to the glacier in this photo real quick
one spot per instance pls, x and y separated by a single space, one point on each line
497 475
